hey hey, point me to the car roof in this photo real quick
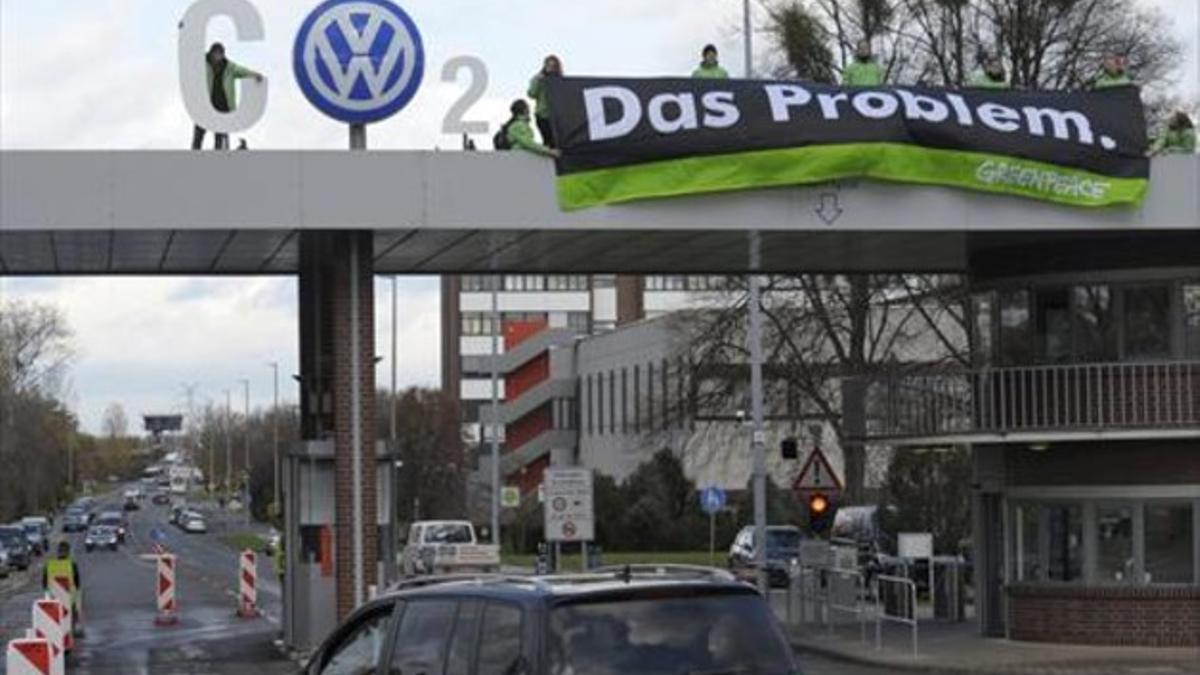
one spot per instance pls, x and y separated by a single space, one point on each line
600 583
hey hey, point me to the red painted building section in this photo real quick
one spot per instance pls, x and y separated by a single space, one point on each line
527 377
529 478
524 378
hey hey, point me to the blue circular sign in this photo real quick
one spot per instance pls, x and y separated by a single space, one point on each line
359 61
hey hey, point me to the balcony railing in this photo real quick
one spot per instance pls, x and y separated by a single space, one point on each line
995 402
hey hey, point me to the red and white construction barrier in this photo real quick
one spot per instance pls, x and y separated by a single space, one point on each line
248 585
48 618
29 657
165 586
60 591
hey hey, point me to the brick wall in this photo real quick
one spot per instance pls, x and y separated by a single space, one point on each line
344 419
1146 616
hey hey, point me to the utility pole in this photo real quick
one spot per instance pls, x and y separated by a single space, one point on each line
189 425
275 433
394 502
494 423
246 452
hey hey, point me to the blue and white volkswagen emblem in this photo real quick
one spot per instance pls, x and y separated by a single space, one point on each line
359 61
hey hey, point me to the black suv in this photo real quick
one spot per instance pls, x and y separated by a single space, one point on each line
645 620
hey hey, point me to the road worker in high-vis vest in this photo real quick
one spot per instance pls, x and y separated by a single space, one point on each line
64 569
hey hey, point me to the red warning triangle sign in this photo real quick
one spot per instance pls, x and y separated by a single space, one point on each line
817 474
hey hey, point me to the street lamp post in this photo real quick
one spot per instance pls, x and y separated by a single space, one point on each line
246 451
275 433
228 441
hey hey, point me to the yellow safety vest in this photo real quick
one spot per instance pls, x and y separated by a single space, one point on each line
62 568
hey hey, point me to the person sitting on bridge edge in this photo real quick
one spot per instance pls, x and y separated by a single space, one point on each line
223 75
1179 138
865 71
710 65
1112 73
551 67
519 134
992 75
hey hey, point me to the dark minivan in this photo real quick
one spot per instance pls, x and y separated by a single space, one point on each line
648 621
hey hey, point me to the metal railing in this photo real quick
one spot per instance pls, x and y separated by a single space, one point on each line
1074 397
825 590
883 581
845 590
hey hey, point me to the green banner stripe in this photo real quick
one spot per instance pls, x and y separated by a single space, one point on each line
822 163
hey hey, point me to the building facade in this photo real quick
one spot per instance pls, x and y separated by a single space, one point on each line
1083 412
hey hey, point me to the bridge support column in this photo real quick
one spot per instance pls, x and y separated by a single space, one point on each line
337 382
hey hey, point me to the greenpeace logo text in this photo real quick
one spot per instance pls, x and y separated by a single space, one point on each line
614 111
1041 180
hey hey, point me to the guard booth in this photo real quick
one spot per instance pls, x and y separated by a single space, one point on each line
309 584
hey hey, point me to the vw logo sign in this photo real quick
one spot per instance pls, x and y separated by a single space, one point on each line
359 61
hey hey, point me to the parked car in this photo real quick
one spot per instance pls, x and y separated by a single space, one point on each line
642 619
446 547
160 499
131 505
20 553
117 521
101 536
783 546
5 565
193 523
35 535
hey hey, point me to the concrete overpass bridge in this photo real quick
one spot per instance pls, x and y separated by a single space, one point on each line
335 219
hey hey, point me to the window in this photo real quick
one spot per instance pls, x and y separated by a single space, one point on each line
1015 334
1169 545
358 649
637 400
566 282
650 396
624 401
580 322
600 403
612 402
1095 328
480 282
462 640
1028 561
501 651
981 305
1065 527
1147 322
1053 316
666 283
1114 544
421 639
478 323
591 401
1191 319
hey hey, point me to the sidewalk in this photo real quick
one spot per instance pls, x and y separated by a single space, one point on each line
958 648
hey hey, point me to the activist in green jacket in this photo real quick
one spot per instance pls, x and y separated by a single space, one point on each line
223 75
864 71
709 68
520 134
1179 138
551 67
991 77
1113 73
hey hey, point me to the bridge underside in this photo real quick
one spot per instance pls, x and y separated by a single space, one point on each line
85 213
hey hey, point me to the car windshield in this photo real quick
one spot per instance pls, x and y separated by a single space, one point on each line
783 539
667 636
448 533
32 528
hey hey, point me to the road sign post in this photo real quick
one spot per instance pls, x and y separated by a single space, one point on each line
569 514
712 499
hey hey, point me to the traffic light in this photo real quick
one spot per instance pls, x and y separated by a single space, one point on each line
789 448
820 513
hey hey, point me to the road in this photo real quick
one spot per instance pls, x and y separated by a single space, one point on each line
119 608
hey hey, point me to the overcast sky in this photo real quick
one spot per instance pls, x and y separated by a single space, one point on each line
101 74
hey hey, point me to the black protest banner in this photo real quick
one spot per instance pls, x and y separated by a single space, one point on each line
629 139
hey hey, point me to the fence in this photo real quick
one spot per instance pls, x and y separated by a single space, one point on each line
826 591
885 587
1089 396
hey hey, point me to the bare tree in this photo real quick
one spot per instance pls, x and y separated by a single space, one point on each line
115 423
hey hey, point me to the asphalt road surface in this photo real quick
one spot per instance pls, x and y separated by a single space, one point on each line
119 608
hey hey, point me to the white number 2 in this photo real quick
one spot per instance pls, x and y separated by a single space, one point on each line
454 123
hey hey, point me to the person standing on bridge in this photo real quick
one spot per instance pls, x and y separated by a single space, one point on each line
710 65
519 134
865 71
992 76
551 68
1179 138
1112 73
223 75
